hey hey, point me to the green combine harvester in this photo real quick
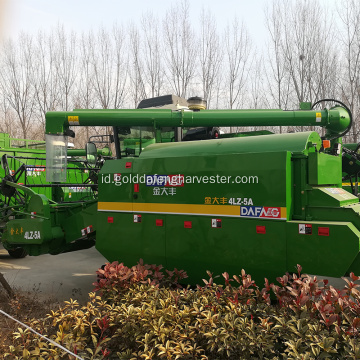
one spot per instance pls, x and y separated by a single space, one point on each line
24 165
256 201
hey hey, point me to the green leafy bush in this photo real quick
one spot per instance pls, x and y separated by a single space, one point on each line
143 313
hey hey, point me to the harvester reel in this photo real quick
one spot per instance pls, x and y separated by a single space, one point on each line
8 191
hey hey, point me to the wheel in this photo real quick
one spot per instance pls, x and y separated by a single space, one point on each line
17 253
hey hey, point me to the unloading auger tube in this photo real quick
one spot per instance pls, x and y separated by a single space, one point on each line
335 120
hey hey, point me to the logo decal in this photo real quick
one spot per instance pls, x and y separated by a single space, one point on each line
165 180
261 212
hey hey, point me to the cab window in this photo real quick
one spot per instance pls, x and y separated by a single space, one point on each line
133 139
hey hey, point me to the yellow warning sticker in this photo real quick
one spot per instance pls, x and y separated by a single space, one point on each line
73 120
318 117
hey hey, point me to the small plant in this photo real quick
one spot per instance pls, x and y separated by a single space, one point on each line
115 278
24 305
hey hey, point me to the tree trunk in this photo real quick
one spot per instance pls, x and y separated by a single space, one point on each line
6 286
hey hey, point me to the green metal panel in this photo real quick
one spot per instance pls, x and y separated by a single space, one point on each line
246 133
305 105
304 142
330 197
324 169
347 213
118 237
201 247
4 140
53 227
329 255
261 177
74 217
351 146
31 229
82 152
233 247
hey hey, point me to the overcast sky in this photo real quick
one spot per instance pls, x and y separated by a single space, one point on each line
82 15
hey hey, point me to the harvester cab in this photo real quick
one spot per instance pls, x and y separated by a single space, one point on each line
259 201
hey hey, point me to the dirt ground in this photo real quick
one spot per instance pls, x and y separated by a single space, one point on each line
42 283
62 277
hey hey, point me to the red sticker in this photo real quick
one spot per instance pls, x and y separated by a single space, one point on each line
260 229
187 224
323 231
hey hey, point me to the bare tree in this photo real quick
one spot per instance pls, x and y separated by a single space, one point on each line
302 58
16 77
45 80
303 41
180 48
238 52
85 92
300 46
121 66
350 39
137 77
277 77
210 54
102 68
257 77
66 65
8 117
109 67
152 54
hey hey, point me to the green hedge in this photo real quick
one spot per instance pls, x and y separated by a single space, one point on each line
143 313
